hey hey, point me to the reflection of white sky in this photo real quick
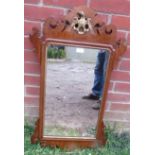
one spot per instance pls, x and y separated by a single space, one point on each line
82 54
80 50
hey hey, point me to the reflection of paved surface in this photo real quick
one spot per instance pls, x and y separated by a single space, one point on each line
66 83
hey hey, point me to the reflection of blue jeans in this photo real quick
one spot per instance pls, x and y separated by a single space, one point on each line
99 74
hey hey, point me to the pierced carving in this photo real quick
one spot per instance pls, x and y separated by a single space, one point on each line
54 26
81 23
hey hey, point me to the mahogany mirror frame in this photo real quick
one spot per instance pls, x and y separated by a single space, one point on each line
62 31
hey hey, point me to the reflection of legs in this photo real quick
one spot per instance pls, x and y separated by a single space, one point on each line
99 72
98 79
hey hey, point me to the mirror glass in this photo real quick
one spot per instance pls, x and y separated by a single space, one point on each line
74 80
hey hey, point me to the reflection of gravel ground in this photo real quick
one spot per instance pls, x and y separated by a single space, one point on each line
67 82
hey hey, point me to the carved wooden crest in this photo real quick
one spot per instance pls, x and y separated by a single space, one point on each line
81 23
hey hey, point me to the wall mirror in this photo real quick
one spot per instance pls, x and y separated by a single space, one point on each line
69 77
73 52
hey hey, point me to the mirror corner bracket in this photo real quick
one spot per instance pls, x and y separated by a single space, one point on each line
100 134
35 137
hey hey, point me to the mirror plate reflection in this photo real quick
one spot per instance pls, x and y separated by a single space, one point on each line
69 75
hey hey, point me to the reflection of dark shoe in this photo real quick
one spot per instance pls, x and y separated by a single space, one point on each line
97 105
91 97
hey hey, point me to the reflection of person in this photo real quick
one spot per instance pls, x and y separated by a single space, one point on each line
99 72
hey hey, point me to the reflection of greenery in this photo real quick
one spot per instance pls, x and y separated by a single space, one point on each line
56 53
61 131
91 131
